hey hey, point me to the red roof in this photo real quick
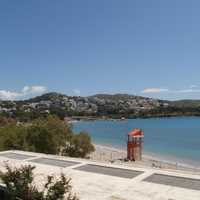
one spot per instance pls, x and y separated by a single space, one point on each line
136 133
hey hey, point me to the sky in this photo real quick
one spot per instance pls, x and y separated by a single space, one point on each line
140 47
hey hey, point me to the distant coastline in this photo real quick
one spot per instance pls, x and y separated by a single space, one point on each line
100 106
75 119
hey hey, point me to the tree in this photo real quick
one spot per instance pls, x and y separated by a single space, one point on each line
13 136
47 135
79 146
19 185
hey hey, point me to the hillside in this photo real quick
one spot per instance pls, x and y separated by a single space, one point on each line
100 105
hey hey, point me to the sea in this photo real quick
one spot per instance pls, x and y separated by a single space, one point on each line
176 139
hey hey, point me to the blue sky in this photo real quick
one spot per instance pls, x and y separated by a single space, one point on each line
143 47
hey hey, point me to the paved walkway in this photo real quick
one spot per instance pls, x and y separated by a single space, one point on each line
176 181
92 180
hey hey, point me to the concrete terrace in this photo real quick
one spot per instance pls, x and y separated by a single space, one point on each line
92 180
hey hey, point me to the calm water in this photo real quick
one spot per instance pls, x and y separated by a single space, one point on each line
177 138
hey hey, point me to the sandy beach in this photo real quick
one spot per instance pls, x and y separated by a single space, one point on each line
117 156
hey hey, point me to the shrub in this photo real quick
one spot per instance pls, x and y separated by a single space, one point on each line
19 185
79 146
50 135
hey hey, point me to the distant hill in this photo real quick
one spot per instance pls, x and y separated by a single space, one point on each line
186 103
98 106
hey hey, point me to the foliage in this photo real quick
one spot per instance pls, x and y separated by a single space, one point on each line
50 135
80 145
19 185
13 136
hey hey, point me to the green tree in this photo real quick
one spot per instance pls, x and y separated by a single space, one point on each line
13 136
48 135
19 185
79 146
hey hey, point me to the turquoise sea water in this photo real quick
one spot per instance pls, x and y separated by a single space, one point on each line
177 138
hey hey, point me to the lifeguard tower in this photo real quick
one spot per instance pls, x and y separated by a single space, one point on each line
135 144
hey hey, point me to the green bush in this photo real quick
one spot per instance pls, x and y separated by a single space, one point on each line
48 135
19 186
79 146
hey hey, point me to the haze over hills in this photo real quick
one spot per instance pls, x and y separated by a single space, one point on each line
99 105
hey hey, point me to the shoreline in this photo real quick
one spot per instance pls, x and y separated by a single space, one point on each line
109 154
89 119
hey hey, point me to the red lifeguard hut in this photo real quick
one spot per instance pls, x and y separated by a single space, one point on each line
135 144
